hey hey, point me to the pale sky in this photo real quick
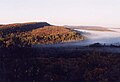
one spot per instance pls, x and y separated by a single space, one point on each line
62 12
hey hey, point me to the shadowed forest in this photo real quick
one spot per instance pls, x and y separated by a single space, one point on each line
58 64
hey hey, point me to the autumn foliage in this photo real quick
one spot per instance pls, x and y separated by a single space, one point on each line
41 35
54 34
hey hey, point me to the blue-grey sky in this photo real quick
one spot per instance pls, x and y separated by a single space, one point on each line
62 12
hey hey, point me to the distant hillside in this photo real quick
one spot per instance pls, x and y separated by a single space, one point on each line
45 35
95 28
22 27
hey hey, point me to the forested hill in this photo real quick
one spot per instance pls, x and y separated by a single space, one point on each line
22 27
27 34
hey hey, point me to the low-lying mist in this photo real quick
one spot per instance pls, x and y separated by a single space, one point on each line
104 37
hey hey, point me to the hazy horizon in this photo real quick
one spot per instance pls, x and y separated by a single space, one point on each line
62 12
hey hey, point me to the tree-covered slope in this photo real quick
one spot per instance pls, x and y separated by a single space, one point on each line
54 34
44 35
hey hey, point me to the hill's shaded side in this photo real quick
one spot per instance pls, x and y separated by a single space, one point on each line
22 27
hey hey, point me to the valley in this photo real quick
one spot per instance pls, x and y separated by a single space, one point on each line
41 52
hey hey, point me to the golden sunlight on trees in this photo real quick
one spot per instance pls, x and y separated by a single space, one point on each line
44 35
